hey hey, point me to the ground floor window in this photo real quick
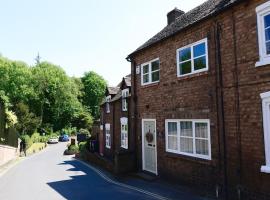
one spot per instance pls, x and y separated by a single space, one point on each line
266 129
124 133
189 137
108 136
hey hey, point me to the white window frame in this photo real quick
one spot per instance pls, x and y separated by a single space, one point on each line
194 154
124 133
107 136
107 106
266 128
149 63
193 58
262 11
125 94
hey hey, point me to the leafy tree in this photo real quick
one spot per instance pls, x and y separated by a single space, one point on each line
94 89
82 120
28 122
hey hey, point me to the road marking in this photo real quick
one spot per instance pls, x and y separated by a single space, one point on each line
122 184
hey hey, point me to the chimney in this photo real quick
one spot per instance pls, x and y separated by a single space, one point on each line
172 15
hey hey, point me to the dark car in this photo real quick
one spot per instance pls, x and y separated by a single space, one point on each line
64 138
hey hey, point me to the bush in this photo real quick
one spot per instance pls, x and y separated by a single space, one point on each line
28 141
72 149
35 137
84 131
82 146
43 139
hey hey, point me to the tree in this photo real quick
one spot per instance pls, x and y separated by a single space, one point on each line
94 89
28 122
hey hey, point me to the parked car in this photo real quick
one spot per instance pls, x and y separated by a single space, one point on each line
53 140
64 138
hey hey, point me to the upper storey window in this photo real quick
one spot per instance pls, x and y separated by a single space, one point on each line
108 99
192 58
263 24
125 94
150 72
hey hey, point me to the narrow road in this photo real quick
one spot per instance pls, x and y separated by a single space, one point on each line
51 176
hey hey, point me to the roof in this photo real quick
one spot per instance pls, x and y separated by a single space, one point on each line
113 90
128 80
117 96
203 11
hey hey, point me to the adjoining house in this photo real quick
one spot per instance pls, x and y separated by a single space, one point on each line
116 142
201 99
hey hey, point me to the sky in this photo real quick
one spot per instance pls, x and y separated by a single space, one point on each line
82 35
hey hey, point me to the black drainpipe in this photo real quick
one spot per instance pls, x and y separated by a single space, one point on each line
220 108
133 102
237 109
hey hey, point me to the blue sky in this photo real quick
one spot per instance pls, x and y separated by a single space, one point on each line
82 35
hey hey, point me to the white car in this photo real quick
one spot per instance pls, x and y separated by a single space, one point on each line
53 140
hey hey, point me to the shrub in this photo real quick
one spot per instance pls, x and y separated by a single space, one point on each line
43 139
35 137
84 131
28 141
72 149
69 131
82 146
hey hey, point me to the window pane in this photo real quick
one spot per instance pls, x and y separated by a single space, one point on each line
172 143
145 69
200 63
185 54
199 50
267 34
155 65
267 21
267 47
172 128
185 68
155 76
201 130
145 78
202 147
186 129
186 145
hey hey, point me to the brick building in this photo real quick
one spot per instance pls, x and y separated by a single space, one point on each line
118 143
201 99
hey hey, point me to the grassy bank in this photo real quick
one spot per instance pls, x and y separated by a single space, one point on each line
36 147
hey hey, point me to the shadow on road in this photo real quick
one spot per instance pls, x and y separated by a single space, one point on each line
84 184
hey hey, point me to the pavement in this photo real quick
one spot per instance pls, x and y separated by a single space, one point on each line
49 175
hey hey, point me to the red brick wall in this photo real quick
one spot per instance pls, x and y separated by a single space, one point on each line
194 97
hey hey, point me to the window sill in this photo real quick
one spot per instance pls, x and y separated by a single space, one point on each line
190 76
262 63
265 169
150 85
188 158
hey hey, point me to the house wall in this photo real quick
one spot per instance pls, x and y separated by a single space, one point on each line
108 119
197 97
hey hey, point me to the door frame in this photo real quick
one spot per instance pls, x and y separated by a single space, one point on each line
143 158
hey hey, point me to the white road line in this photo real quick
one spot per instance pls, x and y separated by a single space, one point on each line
122 184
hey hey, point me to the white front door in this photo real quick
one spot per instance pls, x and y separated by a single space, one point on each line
149 147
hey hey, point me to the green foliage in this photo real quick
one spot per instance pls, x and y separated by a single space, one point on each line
28 121
84 131
44 97
68 131
28 141
72 149
11 118
83 146
94 89
82 120
35 137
